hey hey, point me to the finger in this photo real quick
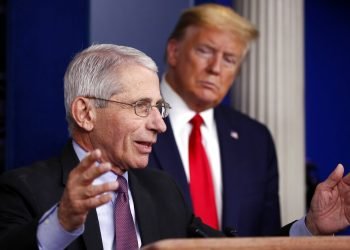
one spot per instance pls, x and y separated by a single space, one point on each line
334 178
98 201
89 160
96 190
90 174
346 179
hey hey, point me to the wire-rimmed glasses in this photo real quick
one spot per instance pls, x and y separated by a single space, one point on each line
142 107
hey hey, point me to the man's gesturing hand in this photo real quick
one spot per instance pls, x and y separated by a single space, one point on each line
80 195
330 205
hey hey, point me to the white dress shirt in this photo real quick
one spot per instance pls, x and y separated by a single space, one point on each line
179 116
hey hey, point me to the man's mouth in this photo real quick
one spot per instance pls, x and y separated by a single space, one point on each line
208 84
144 146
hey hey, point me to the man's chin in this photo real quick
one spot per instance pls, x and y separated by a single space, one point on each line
205 104
140 164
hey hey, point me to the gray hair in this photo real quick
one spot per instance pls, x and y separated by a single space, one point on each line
90 71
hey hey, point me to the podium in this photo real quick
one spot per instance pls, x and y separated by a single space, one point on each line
255 243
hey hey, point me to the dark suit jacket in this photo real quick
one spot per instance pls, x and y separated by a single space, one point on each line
249 172
27 193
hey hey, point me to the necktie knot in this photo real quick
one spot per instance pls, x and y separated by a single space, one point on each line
196 121
123 185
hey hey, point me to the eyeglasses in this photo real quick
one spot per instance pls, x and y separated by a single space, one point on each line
142 107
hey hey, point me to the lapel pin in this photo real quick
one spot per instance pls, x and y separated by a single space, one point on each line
234 135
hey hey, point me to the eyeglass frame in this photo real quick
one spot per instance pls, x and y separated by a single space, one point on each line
163 104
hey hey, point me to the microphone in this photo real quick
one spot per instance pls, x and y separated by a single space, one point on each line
195 230
230 232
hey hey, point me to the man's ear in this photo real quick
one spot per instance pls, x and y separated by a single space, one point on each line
172 52
83 113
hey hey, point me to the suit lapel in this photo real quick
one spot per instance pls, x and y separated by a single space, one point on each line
230 159
92 233
144 210
166 151
69 160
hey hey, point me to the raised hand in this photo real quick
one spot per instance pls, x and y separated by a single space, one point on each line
330 205
80 195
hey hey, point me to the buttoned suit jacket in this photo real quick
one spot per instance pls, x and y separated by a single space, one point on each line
249 172
27 193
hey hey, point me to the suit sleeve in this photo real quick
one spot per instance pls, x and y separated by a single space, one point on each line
18 223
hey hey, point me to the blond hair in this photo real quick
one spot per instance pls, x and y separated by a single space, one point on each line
215 16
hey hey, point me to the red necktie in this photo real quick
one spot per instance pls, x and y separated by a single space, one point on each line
201 182
124 224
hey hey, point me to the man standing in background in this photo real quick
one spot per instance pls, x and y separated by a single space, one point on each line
236 183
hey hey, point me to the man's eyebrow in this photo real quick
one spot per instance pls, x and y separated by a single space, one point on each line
146 99
230 54
213 48
161 100
206 45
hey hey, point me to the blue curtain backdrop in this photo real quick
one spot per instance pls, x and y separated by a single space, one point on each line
327 78
327 85
223 2
42 37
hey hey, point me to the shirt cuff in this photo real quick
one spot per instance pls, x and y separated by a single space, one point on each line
51 235
299 229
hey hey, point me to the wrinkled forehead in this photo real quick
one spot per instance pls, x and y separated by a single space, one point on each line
232 36
219 39
137 82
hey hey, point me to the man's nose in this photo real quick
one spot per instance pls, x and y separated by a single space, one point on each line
214 65
156 122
